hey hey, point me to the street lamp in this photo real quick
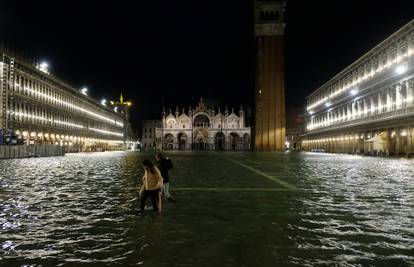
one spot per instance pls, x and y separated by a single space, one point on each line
354 91
43 67
103 102
84 91
401 69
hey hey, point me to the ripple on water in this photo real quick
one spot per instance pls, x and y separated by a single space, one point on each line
348 211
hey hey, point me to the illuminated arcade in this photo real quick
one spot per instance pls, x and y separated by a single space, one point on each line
38 108
368 107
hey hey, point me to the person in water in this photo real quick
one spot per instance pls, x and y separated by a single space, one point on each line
151 185
165 164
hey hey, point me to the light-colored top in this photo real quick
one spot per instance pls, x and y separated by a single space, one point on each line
151 181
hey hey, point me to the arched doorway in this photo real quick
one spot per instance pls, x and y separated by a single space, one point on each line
234 139
246 141
201 140
201 121
219 141
169 141
182 141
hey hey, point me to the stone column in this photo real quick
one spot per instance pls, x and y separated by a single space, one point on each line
390 142
353 110
372 105
409 94
398 142
389 101
398 99
379 103
409 141
358 109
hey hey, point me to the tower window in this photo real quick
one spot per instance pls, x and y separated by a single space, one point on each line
269 15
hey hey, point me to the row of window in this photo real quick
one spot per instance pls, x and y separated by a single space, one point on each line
269 15
372 64
26 113
394 98
45 93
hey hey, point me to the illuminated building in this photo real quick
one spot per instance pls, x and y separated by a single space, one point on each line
203 128
368 107
41 109
148 133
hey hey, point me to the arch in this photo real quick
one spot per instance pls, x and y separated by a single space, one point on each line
183 121
201 139
234 140
168 141
171 122
246 141
201 120
219 141
182 141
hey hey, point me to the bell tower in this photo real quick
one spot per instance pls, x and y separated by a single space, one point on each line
269 128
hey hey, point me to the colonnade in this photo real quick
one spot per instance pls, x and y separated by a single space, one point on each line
397 141
37 108
73 143
395 99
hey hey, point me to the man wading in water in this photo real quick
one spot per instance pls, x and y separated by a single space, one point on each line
151 186
165 164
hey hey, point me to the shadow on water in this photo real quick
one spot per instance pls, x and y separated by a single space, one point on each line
233 209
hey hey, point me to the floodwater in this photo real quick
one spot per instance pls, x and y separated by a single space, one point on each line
232 209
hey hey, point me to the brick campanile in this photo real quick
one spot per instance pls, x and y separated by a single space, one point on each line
269 128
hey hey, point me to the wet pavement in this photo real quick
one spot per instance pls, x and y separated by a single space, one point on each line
232 209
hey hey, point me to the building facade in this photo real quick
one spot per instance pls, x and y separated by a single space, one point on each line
38 108
269 128
149 133
368 107
294 128
203 128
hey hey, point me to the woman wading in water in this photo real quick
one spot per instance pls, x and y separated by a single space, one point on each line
151 185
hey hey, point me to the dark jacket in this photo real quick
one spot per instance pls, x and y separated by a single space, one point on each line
165 165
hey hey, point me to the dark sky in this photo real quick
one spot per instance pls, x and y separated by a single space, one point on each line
175 51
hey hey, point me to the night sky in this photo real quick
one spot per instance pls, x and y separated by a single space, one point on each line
173 52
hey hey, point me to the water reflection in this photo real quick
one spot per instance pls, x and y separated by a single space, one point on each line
360 207
80 208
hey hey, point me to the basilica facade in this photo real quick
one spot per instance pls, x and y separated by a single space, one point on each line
203 128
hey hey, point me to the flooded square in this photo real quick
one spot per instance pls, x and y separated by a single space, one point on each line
231 209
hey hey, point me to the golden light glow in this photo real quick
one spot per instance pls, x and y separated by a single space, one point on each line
70 105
